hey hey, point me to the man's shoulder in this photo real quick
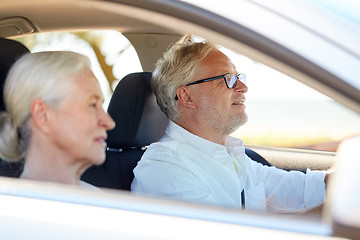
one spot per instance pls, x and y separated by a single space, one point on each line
168 145
163 150
168 152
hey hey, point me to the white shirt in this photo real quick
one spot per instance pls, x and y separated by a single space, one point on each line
187 167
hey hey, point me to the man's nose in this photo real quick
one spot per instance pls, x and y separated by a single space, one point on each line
241 87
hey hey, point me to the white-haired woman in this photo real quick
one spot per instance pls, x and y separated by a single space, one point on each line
54 117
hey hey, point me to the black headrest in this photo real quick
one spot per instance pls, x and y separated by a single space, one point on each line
10 51
139 121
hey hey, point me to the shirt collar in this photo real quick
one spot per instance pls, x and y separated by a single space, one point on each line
177 132
234 143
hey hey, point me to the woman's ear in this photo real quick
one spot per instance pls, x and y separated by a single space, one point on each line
184 96
39 112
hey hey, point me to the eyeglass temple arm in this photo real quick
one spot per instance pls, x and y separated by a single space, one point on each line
205 80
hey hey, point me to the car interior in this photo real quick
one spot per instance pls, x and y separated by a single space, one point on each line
139 121
151 27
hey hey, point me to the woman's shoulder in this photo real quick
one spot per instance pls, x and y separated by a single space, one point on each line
89 186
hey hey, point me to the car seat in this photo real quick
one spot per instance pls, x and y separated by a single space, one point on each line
10 51
139 122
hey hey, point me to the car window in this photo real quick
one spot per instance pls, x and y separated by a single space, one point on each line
111 54
282 112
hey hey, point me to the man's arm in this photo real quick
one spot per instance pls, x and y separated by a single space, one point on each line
291 191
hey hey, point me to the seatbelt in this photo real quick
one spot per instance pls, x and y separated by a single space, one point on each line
242 192
243 199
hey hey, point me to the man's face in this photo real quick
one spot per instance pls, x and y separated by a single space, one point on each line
221 108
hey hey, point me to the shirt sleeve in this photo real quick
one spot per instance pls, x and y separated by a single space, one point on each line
292 191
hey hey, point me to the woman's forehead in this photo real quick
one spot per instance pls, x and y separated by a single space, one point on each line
84 85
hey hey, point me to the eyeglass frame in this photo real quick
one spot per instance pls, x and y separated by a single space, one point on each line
218 77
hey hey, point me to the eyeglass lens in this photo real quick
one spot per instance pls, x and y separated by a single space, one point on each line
231 80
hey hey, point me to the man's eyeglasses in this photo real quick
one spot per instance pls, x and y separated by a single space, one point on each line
229 78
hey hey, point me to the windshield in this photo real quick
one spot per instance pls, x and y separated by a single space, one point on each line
325 32
345 11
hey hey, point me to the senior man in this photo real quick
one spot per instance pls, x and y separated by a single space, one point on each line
200 91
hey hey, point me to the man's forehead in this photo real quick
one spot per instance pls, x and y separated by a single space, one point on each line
217 61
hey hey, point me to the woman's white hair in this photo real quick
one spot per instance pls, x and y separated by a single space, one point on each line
41 75
176 68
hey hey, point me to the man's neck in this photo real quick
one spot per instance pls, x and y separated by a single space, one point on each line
204 132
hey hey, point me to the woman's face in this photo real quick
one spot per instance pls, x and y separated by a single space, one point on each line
79 122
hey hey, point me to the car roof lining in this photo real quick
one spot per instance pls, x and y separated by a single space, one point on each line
75 19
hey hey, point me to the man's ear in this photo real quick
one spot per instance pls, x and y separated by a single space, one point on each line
39 112
184 96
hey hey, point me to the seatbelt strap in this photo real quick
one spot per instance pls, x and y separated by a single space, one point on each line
242 192
243 199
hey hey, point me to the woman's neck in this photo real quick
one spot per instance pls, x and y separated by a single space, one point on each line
52 166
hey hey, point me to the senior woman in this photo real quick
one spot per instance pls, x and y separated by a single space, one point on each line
54 117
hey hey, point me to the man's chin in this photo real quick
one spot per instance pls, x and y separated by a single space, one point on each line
244 119
238 122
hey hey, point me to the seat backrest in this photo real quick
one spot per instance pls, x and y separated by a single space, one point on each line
139 122
10 51
256 157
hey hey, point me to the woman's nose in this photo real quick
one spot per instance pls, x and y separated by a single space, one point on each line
106 121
